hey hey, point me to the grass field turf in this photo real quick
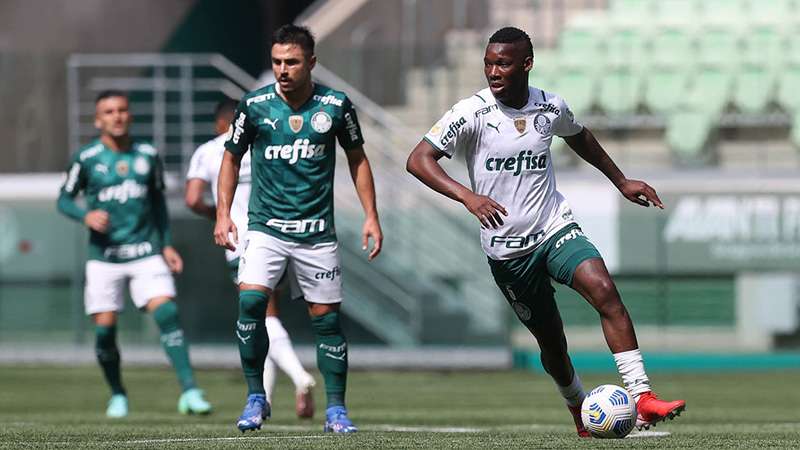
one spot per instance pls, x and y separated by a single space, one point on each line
57 407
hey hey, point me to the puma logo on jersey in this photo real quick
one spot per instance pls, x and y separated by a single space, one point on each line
301 149
495 127
524 162
271 123
101 168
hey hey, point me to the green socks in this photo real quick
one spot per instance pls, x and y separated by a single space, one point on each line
175 346
251 332
331 356
105 346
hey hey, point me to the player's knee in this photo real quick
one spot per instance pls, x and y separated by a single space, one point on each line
327 324
253 304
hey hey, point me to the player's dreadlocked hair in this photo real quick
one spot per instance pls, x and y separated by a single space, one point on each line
225 107
108 94
511 35
293 34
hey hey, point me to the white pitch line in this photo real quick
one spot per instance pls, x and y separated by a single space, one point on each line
647 434
232 438
424 429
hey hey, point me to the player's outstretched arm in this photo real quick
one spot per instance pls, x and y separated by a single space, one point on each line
423 163
195 188
225 232
586 146
361 173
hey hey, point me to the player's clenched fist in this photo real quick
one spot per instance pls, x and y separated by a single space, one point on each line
223 230
97 220
485 209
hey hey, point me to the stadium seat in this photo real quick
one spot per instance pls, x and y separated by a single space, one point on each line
795 133
631 12
626 47
687 134
770 11
677 12
754 88
764 45
709 90
719 46
580 46
577 87
663 89
620 90
672 46
723 13
789 89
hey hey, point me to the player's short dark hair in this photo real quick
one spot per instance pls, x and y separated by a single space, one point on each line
108 93
225 107
511 35
294 34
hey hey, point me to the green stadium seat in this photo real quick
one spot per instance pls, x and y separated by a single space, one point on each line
795 133
620 90
764 45
754 88
719 47
709 90
770 11
663 88
687 134
789 89
723 13
672 46
579 46
677 12
626 47
577 87
791 53
631 12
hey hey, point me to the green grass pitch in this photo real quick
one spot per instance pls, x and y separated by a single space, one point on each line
56 407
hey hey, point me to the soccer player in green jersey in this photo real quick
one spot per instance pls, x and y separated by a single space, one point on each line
129 242
291 128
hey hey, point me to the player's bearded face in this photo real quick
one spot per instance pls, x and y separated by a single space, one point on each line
291 66
506 67
112 116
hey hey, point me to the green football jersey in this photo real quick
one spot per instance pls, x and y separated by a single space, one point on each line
129 187
293 160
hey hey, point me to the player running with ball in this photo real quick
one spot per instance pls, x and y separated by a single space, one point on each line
527 228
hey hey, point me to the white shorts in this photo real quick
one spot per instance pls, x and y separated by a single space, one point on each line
105 283
314 270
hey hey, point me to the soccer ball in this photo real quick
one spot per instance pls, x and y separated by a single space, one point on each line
608 412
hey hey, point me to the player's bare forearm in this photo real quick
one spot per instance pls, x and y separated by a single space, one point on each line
361 173
423 163
585 145
226 185
195 188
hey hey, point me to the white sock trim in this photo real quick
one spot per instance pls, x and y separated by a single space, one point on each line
573 393
630 365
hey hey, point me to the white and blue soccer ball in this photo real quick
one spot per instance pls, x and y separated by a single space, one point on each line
609 412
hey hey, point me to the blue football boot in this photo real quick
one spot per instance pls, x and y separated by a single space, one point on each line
255 412
337 421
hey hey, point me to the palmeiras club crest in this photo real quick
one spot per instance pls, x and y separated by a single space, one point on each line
542 124
520 123
296 123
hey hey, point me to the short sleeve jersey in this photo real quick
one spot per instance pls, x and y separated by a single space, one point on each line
507 152
205 164
293 160
122 184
